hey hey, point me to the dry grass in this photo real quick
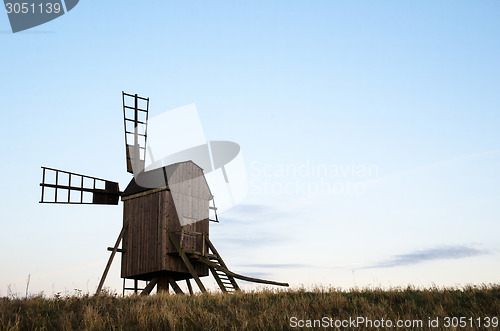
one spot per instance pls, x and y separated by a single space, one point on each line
264 310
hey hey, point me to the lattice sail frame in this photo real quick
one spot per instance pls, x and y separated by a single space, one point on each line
135 119
86 189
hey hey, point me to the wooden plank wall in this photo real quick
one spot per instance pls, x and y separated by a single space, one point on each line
146 244
141 241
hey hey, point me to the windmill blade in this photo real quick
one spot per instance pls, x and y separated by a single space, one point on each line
59 186
135 121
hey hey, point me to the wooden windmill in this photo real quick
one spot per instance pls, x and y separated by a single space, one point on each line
165 233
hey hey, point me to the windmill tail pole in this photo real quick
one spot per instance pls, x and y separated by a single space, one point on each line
257 280
113 252
235 275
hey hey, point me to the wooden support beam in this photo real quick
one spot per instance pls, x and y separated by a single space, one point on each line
162 285
119 250
150 286
188 283
174 285
186 262
108 265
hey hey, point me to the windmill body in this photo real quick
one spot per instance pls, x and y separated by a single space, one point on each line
151 214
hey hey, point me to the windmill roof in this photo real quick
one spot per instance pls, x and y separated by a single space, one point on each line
159 178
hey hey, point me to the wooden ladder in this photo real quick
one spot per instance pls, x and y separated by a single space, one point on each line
224 277
218 268
226 282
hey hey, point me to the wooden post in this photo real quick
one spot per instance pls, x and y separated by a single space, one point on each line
162 285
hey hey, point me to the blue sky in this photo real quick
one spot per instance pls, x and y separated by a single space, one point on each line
410 88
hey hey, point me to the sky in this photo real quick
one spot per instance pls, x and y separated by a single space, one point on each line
369 132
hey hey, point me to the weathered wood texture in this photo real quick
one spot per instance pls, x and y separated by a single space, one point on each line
146 244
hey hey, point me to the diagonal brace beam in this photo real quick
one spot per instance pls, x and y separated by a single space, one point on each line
113 252
187 262
150 286
174 285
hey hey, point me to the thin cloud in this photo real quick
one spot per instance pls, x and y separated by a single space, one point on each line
444 253
276 265
258 241
251 208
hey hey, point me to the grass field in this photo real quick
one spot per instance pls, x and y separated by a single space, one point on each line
443 309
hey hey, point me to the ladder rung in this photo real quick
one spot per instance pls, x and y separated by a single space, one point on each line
133 96
131 120
139 134
140 109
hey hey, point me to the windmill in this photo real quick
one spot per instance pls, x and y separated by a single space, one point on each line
166 215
